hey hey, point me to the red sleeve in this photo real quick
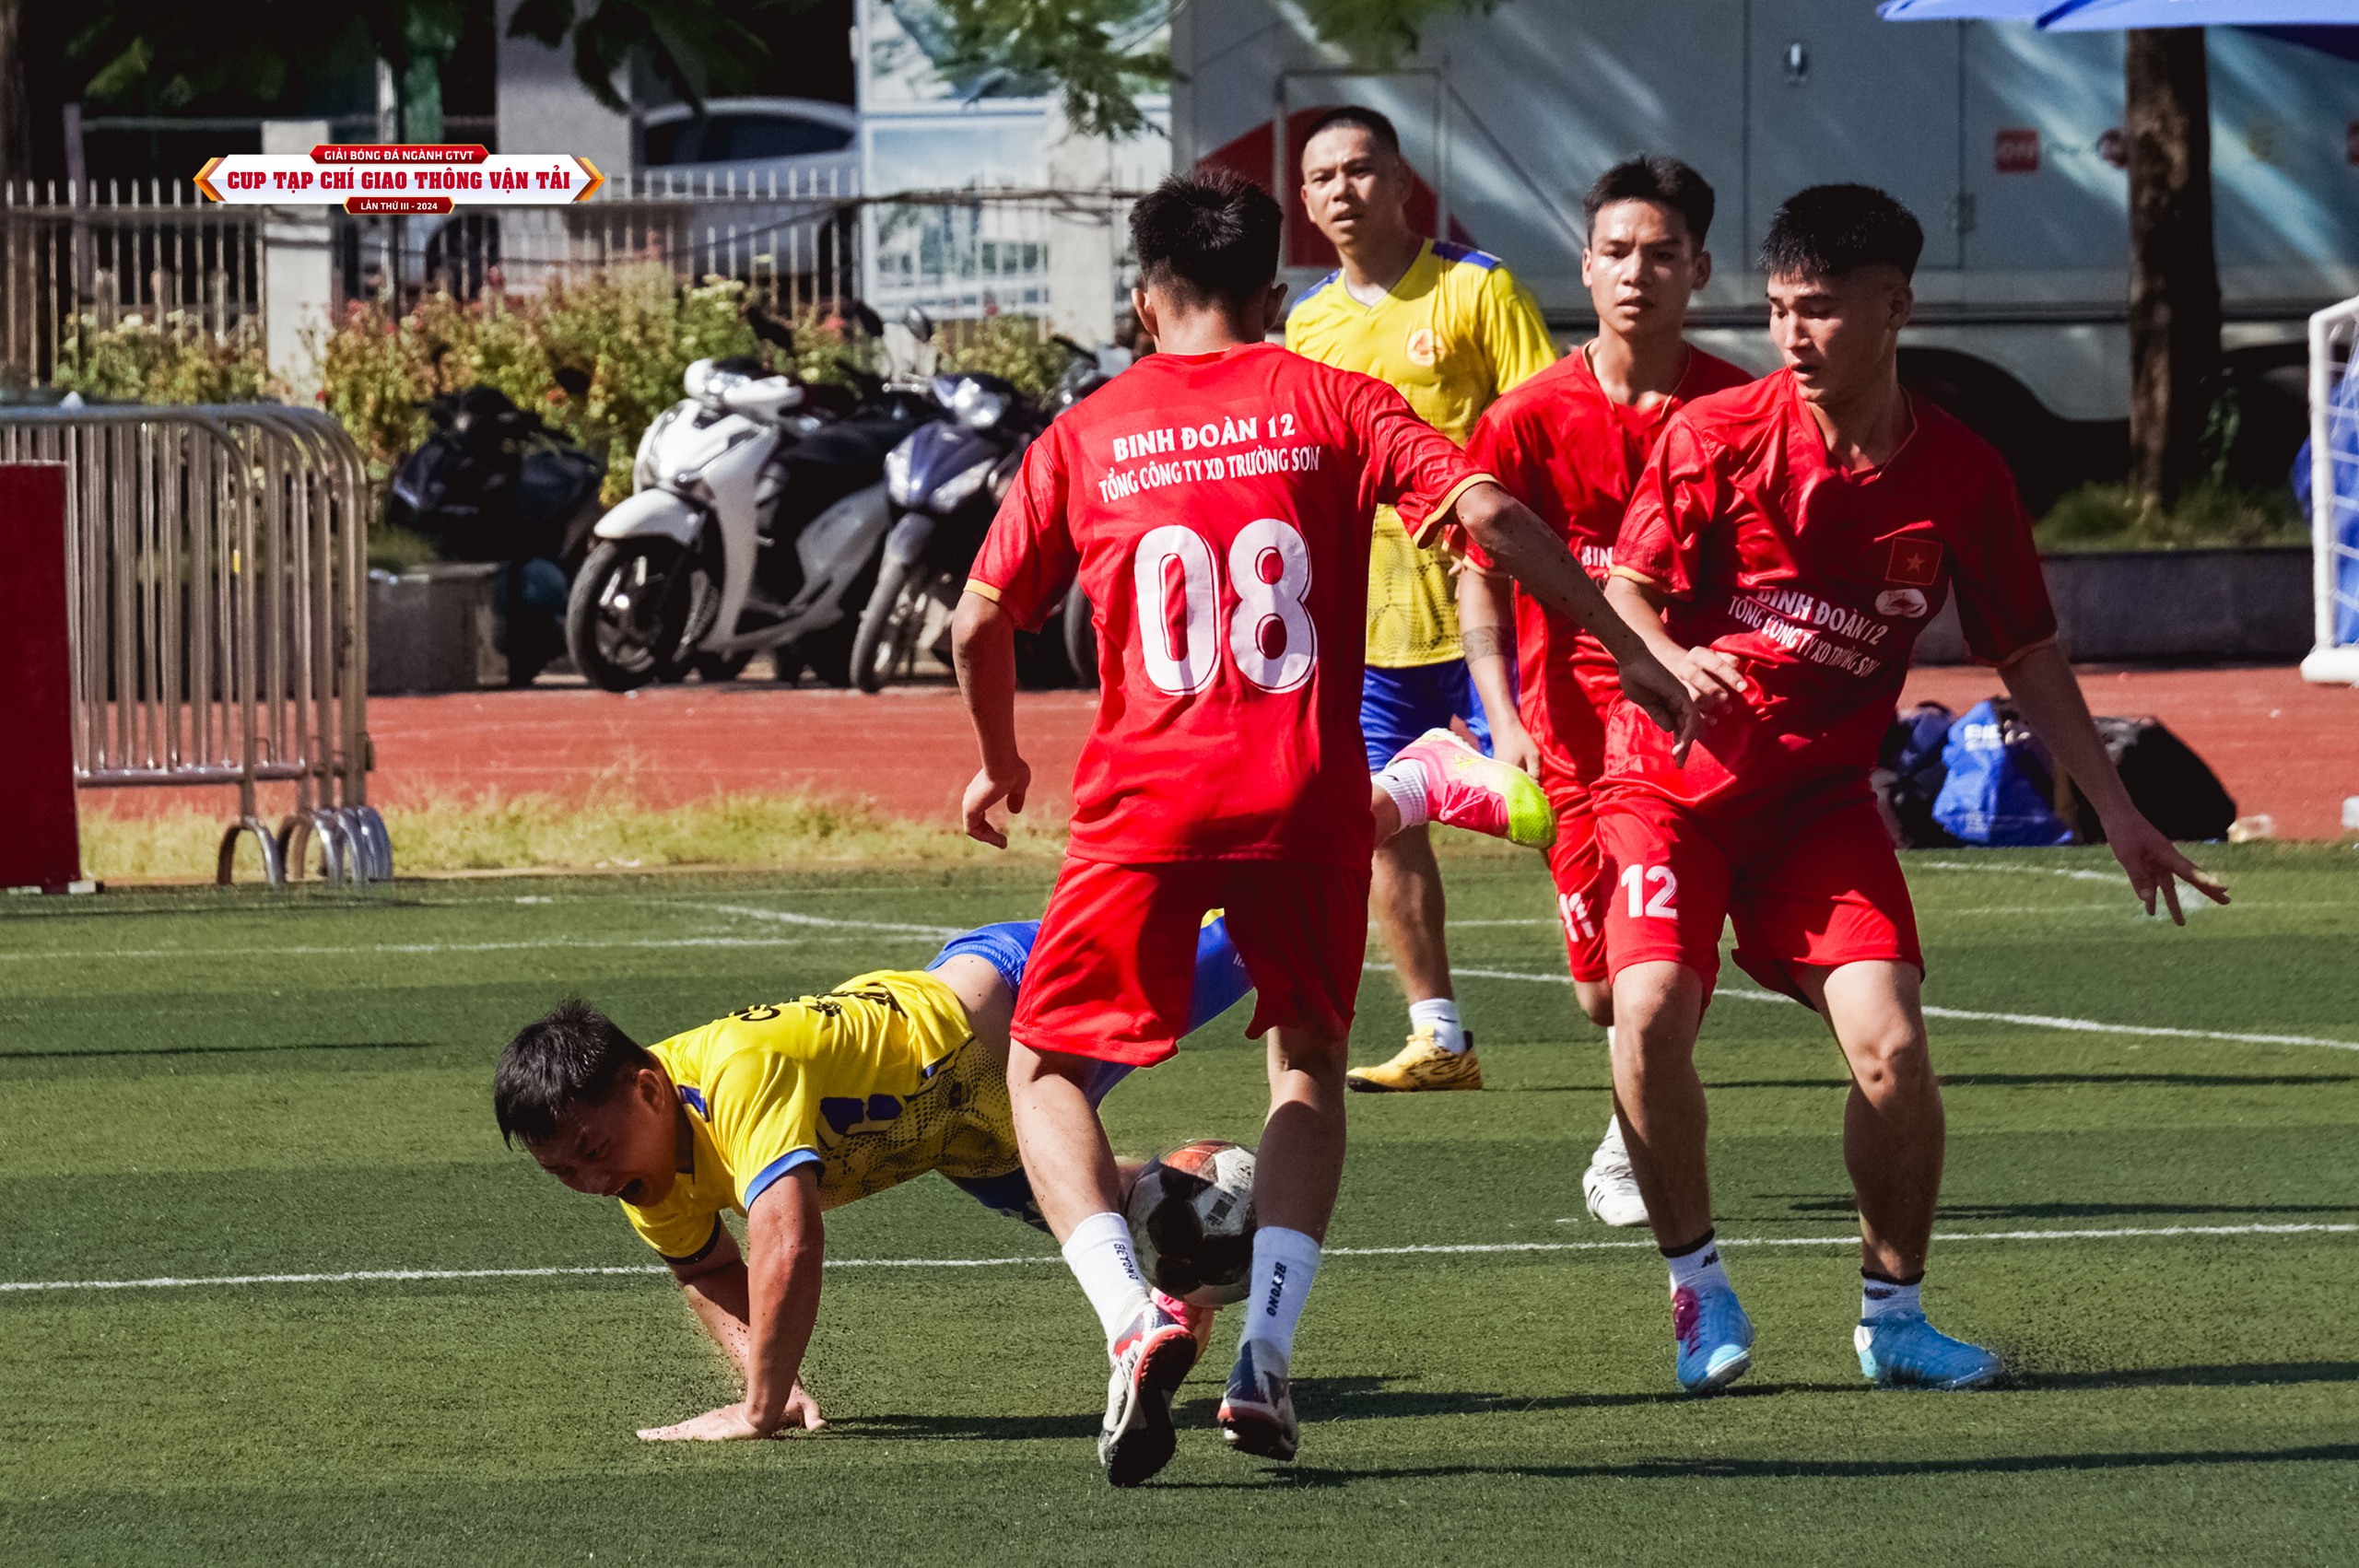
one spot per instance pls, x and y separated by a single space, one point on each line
1678 498
1028 558
1412 467
2002 603
1500 448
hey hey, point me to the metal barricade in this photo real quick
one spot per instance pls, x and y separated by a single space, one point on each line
215 572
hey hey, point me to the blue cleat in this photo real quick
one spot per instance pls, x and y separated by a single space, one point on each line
1905 1352
1714 1337
1257 1410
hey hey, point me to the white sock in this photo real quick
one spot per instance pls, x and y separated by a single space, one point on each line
1612 1144
1285 1262
1698 1268
1098 1252
1881 1298
1441 1014
1405 781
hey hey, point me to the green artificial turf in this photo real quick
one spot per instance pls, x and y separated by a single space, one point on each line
207 1084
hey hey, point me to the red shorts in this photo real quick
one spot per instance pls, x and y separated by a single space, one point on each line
1813 883
1579 871
1114 967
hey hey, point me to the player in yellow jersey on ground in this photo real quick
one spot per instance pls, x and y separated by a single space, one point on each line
784 1110
1450 329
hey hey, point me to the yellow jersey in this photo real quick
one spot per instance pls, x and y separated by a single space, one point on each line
876 1081
1454 333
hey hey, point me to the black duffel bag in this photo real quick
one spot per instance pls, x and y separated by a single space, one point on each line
2175 788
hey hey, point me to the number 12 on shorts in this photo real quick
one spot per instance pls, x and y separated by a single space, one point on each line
1176 592
1660 905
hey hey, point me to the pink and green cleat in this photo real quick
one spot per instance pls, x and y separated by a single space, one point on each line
1465 788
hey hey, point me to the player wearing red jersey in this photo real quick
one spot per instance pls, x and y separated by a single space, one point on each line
1570 442
1213 503
1786 543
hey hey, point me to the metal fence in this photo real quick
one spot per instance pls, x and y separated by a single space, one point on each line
81 260
215 571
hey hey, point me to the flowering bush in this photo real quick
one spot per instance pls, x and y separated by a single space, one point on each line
1014 348
633 332
171 359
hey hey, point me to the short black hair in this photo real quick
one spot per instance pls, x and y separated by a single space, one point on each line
1829 231
1210 237
1665 182
1367 119
574 1057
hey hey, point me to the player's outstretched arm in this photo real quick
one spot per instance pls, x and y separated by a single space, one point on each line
1713 680
1485 629
2041 682
717 1292
786 1237
1513 536
982 647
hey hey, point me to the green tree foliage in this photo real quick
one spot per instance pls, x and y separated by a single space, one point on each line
700 48
170 55
1103 53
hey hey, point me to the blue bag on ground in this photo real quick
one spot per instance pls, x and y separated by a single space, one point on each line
1997 791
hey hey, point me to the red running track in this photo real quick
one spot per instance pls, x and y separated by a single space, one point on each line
2283 748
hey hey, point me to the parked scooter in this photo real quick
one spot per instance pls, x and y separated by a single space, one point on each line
492 483
946 482
754 521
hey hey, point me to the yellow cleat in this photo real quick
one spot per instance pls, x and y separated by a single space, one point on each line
1421 1066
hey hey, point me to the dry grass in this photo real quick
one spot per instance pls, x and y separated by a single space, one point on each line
531 832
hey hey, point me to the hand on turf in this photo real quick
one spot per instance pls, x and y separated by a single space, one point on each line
732 1423
1665 699
2155 866
987 791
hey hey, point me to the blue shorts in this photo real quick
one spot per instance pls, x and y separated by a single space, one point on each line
1398 705
1221 984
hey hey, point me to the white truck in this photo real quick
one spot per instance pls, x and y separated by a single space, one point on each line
2004 141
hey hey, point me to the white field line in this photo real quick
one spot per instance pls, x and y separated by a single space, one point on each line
2075 872
370 1276
371 950
2027 1020
788 918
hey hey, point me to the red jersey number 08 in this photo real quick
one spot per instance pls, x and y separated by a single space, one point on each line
1176 586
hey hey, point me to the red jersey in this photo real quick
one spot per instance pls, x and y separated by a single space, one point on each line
1572 454
1215 508
1816 582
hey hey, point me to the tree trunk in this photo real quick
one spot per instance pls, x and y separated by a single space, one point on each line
16 112
2173 276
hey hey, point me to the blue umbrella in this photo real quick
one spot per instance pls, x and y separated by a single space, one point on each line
2109 16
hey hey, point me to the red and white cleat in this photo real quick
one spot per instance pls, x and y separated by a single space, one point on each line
1465 788
1197 1320
1151 1360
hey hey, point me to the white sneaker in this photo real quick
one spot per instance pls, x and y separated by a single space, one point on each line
1609 1185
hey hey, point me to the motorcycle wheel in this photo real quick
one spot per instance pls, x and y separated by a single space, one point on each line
633 617
719 667
890 625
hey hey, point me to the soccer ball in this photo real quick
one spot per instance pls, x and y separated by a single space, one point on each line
1191 1220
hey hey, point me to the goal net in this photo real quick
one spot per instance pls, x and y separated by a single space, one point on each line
2334 477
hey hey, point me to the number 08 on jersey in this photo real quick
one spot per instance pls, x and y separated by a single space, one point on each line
1214 509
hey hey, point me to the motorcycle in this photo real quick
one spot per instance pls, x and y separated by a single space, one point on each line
946 483
492 483
756 509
